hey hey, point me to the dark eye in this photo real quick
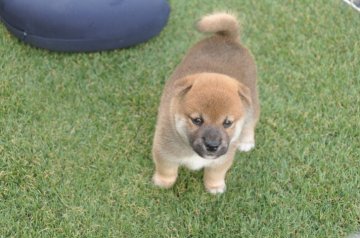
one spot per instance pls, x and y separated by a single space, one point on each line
227 123
197 121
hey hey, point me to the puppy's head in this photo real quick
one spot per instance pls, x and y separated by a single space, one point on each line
210 111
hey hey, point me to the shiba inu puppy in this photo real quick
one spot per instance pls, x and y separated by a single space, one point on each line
209 107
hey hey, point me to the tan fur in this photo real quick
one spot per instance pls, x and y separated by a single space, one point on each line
217 79
220 23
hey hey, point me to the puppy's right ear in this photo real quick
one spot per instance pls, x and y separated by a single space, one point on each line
183 86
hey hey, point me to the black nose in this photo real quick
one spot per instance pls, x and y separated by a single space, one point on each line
212 145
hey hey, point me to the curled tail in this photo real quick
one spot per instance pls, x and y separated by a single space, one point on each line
221 23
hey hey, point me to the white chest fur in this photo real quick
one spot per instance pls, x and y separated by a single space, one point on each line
195 162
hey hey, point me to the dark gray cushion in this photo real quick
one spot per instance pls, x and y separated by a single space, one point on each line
84 25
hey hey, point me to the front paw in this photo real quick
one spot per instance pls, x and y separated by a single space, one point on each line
246 146
162 181
216 188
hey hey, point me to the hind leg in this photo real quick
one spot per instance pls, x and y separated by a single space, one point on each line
247 136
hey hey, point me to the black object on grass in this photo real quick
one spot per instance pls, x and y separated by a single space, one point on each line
84 25
354 3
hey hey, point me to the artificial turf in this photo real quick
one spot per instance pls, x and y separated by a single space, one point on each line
76 133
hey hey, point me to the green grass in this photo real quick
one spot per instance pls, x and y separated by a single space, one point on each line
76 133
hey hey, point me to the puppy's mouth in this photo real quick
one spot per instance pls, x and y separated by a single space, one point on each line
207 151
209 142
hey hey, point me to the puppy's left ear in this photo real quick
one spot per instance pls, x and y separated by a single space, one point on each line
245 94
183 86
